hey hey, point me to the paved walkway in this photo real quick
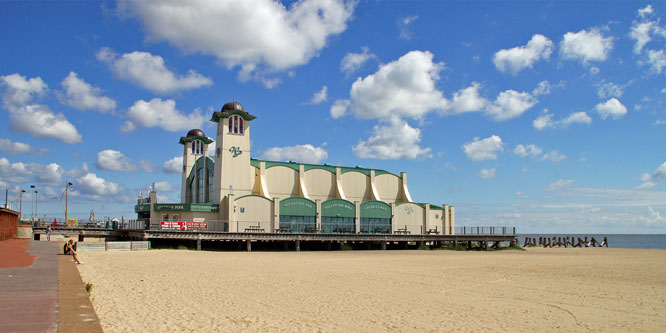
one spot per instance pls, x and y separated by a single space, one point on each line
41 291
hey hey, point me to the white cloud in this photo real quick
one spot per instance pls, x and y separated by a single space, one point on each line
19 172
161 113
586 46
150 72
544 87
510 104
612 108
320 96
96 186
483 150
559 185
300 153
553 156
466 100
339 108
657 60
645 11
114 160
487 173
164 186
83 96
640 32
528 150
404 26
609 89
401 88
545 120
245 33
520 57
658 175
394 141
174 165
646 186
352 62
18 148
35 119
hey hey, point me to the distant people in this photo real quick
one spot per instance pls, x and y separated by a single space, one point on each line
70 248
48 233
593 242
604 242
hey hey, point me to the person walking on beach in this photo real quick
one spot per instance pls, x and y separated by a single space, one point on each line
604 242
69 249
48 233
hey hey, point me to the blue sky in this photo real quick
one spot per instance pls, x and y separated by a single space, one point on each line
547 116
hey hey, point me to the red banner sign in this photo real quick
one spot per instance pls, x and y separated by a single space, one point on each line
182 226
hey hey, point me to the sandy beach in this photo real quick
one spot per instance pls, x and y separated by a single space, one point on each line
589 289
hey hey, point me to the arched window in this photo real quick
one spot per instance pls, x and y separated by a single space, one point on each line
236 125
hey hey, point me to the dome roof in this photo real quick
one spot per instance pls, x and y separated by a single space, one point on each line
195 132
232 106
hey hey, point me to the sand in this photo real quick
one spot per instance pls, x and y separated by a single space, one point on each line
589 289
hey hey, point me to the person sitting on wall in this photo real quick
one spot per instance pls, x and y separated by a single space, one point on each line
70 248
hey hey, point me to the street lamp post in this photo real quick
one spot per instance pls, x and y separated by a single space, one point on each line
32 205
66 200
21 203
36 203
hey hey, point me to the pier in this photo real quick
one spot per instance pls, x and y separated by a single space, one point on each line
483 237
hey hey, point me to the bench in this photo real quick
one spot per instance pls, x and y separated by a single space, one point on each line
254 228
402 231
343 230
380 230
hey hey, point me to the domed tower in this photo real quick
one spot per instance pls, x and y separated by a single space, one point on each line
232 152
195 146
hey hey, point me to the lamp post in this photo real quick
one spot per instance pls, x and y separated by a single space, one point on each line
21 203
66 200
32 205
36 203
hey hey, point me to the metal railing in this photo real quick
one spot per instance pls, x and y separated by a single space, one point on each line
464 230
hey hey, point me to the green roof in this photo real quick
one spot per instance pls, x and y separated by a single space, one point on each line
185 140
223 115
306 167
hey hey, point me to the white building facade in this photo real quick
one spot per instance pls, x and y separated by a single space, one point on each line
233 192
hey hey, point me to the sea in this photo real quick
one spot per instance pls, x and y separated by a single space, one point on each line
628 241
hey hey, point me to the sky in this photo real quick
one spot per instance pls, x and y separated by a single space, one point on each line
546 116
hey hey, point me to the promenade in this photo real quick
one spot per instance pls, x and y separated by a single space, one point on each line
41 290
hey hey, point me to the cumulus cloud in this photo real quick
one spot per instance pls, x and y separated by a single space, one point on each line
559 185
643 29
545 120
82 96
392 141
510 104
466 100
18 148
483 149
164 186
609 89
263 34
586 46
520 57
150 72
339 108
161 113
35 119
612 108
19 172
174 165
402 88
320 96
300 153
114 160
96 186
352 62
487 173
528 150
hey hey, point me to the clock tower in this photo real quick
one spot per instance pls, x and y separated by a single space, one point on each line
232 152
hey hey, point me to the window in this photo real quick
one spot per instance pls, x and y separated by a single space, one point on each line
175 217
200 180
210 184
236 125
165 217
